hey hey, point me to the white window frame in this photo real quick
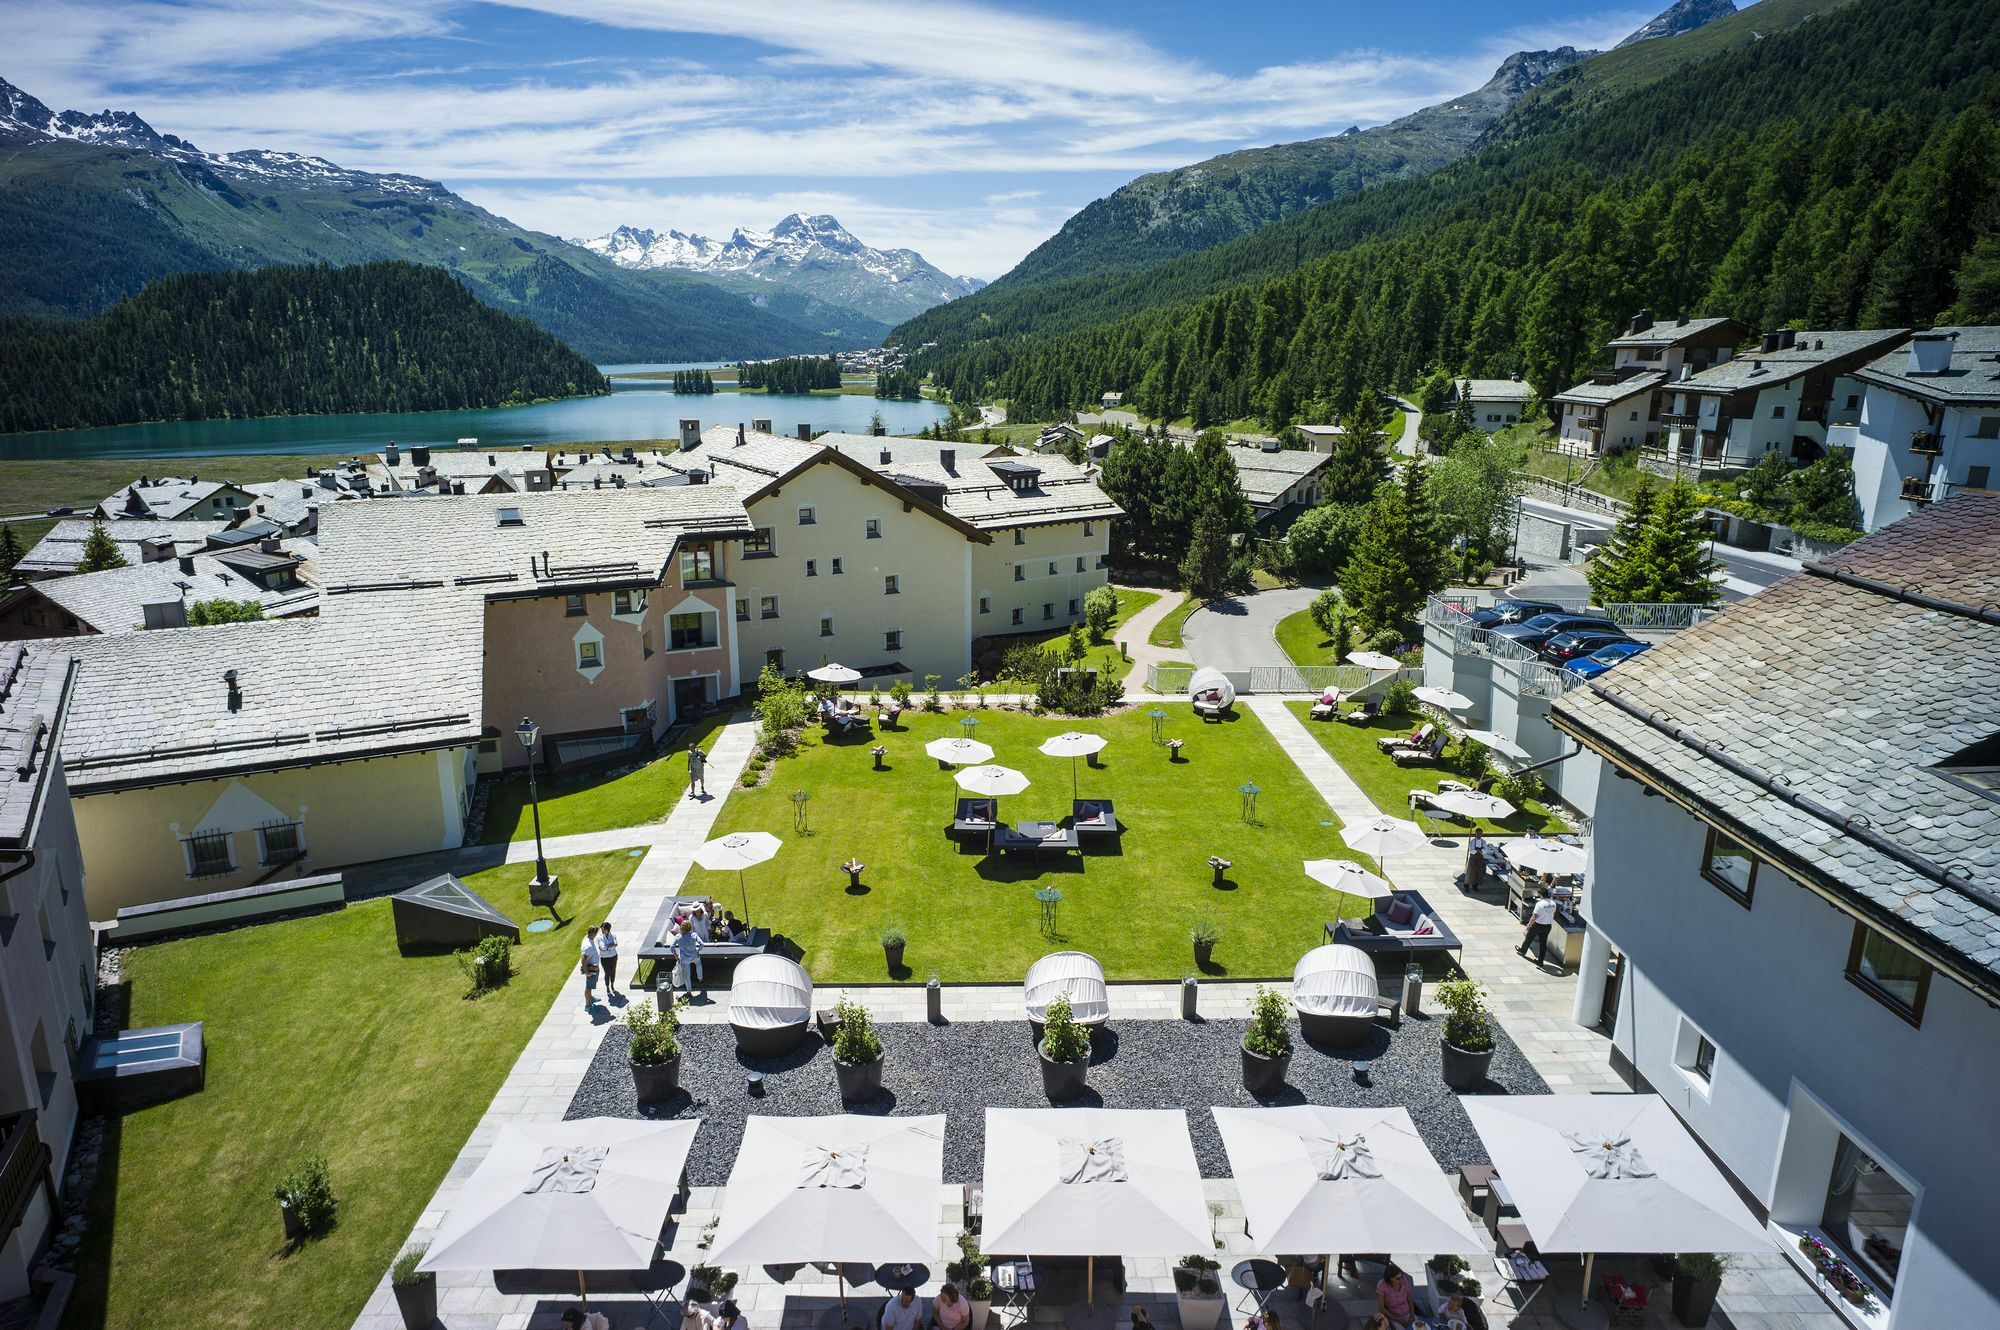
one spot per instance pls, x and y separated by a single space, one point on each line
298 826
1018 616
812 567
808 515
1688 1039
187 853
837 570
767 607
985 602
826 625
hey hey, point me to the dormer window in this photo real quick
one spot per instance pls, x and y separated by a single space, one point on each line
511 517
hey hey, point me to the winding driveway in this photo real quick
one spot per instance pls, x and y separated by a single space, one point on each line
1241 633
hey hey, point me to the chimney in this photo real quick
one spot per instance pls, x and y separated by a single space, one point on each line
690 433
269 545
887 457
1640 322
740 440
491 460
187 565
948 459
1770 342
458 487
235 691
805 432
420 455
1787 338
1930 352
164 613
628 454
1681 320
155 550
393 455
878 430
761 426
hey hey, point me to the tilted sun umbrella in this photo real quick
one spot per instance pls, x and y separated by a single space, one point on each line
993 782
1348 876
1499 743
1073 745
1470 803
1610 1172
1373 660
738 850
959 752
1444 698
834 672
1381 837
1544 855
1332 1180
591 1194
840 1188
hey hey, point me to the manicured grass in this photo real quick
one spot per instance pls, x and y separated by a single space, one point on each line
1388 786
1302 641
970 916
320 1037
599 803
1167 632
1101 656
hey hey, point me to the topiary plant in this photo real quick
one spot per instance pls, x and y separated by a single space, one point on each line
1466 1023
1270 1032
1063 1040
652 1032
969 1270
1196 1275
308 1191
854 1039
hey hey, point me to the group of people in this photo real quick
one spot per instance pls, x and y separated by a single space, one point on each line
1396 1307
600 957
843 715
688 932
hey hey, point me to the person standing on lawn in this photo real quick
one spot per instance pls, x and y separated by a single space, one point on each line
1539 923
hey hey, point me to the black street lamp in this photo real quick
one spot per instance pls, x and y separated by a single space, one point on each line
543 890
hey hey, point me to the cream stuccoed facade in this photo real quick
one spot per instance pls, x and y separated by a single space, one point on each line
1035 577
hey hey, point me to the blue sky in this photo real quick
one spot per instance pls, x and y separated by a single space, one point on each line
967 129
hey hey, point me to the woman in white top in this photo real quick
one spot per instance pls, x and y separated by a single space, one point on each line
607 959
727 1317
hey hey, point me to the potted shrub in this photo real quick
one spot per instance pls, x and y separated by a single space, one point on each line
305 1199
857 1054
415 1290
892 946
1064 1052
1198 1292
653 1053
1204 935
1467 1044
969 1273
708 1283
1267 1043
1697 1279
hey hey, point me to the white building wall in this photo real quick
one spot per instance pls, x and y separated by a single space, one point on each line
1799 1046
1882 456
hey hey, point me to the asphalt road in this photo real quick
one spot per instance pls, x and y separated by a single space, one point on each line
1240 633
1744 572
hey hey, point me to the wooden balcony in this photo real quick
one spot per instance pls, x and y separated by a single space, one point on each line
1678 420
1926 443
1916 489
24 1166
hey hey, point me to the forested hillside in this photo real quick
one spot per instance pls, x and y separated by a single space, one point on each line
282 341
1841 172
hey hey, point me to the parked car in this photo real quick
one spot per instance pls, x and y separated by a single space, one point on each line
1502 612
1602 659
61 512
1566 647
1535 632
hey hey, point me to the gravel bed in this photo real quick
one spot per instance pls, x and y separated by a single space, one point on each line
960 1069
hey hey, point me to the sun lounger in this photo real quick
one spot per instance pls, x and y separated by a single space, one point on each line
1035 839
892 713
1403 924
973 817
1094 817
1416 738
1362 714
1430 752
1326 707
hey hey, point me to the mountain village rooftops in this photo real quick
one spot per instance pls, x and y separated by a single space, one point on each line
519 544
1496 390
867 449
1893 721
1669 333
1969 374
115 600
1757 369
165 498
1266 475
58 553
34 691
1609 394
289 503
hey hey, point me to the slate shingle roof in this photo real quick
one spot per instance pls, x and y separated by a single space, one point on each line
1496 390
1812 350
1668 334
1852 696
61 549
114 601
1608 394
1265 476
1973 377
33 681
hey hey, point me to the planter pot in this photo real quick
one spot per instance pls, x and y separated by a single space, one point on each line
1262 1075
1694 1299
980 1308
1464 1069
1199 1312
656 1080
294 1230
893 952
1203 952
418 1302
1063 1080
859 1081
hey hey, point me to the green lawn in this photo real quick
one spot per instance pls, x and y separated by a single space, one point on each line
320 1037
599 803
1167 632
1101 656
1302 641
1388 786
973 917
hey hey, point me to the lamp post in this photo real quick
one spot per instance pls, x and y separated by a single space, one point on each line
543 890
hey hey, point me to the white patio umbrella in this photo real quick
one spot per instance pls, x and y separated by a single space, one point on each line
834 672
1383 836
1471 803
838 1188
959 751
1348 876
1073 745
1444 698
1092 1182
738 850
1373 660
591 1194
1332 1180
1544 855
993 782
1610 1172
1499 743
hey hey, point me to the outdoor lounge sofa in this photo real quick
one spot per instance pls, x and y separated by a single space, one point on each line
770 1006
1093 817
1336 995
1074 973
1211 692
1035 839
1402 924
655 947
973 817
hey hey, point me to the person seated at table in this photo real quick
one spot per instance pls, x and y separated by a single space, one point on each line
948 1310
694 1318
1459 1313
1395 1299
903 1312
732 928
1141 1320
700 925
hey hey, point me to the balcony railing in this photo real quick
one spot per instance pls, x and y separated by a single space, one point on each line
1916 489
24 1166
1926 443
1679 419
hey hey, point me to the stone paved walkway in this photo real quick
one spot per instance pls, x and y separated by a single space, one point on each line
1136 631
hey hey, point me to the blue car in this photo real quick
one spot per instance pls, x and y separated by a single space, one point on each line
1597 662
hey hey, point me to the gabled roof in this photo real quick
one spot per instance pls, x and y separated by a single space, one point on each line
34 700
1778 729
1608 394
1265 476
1673 334
61 550
1971 378
1496 390
761 463
166 498
1756 370
114 601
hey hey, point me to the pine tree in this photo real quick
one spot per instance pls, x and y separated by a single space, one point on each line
1609 570
1823 492
100 552
1423 547
1205 569
1358 467
1671 565
10 550
1377 580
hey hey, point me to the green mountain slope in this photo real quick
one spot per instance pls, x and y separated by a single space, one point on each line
86 221
1844 172
281 341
